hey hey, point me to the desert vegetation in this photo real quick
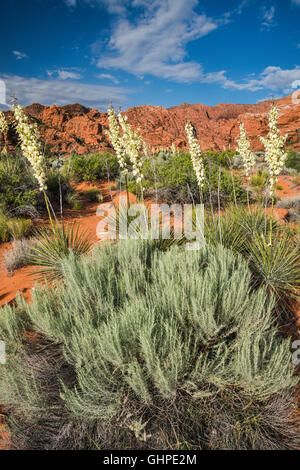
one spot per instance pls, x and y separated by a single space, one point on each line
145 344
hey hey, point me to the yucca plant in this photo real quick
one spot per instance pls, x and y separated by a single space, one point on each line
52 246
237 227
276 266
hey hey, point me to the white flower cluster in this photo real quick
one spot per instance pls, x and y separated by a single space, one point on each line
244 150
275 155
116 138
196 155
133 145
3 124
30 145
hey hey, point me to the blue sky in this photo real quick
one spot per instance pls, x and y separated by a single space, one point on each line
157 52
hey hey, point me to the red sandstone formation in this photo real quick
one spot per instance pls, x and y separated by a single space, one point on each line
74 128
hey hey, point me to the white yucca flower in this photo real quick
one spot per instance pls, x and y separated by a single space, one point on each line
275 154
30 145
245 152
133 146
3 130
196 155
116 138
3 124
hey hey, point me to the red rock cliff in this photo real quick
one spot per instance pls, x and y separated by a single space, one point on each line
74 128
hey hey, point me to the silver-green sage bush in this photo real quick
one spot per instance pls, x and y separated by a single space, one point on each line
139 348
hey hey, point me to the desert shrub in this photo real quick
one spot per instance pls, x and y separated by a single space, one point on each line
176 181
19 228
53 246
58 187
93 166
19 192
294 216
146 349
93 195
17 256
73 201
289 203
293 160
226 158
13 228
259 180
4 231
17 183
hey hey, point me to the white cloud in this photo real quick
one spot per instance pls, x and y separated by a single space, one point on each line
60 92
272 78
64 74
156 43
268 18
20 55
107 76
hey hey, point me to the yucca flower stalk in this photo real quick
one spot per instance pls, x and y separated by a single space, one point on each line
196 156
50 249
118 144
275 154
116 139
133 146
246 154
4 130
30 145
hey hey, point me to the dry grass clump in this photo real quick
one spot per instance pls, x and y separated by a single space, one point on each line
289 203
18 255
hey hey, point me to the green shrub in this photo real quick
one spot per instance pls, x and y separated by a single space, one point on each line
19 228
152 350
176 181
293 160
15 228
226 158
18 186
58 187
259 180
74 201
19 190
93 167
93 195
4 231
